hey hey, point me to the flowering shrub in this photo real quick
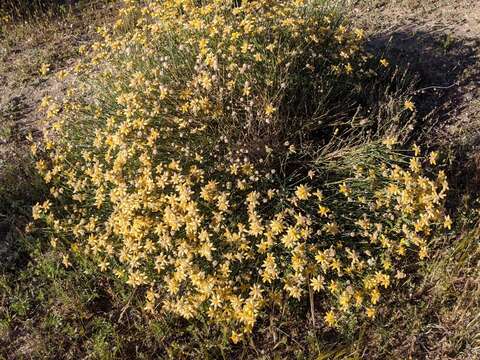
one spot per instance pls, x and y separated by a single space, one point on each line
187 163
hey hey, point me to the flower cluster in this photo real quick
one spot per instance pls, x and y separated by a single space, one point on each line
186 174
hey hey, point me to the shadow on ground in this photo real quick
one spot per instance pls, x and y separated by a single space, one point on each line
448 73
438 322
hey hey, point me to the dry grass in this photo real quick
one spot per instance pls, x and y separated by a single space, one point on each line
440 320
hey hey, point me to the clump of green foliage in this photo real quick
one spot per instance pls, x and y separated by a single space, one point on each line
217 171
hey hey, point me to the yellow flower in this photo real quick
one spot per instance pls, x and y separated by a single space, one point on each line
415 165
270 47
358 298
344 189
384 62
256 292
317 283
321 258
348 68
222 202
269 109
294 291
216 301
330 318
236 337
370 312
36 211
276 226
333 287
323 210
149 307
423 253
66 261
302 192
447 222
319 195
332 228
409 105
374 296
244 47
291 237
344 300
433 158
416 149
389 142
359 33
103 265
44 69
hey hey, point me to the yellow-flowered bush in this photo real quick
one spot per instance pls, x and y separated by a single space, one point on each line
188 161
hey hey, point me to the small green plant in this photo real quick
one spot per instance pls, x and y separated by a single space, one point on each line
448 41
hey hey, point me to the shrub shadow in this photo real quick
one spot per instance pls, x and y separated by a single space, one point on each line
447 68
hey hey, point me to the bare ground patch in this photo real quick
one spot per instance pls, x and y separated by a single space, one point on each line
439 41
